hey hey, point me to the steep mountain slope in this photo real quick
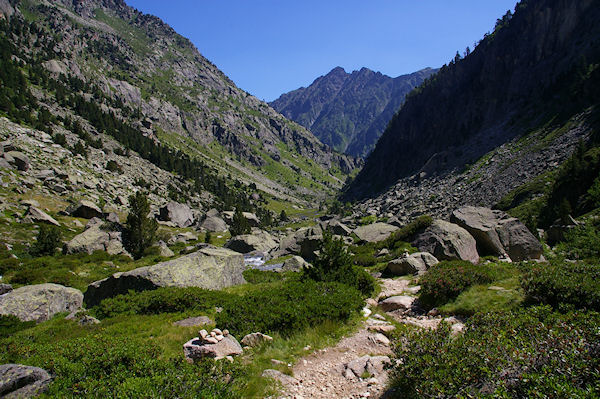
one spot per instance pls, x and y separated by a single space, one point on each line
349 111
137 68
535 72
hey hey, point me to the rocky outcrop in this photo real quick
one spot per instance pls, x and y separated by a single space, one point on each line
260 241
447 241
18 160
36 215
417 263
339 228
216 345
210 268
214 224
179 214
375 232
40 302
497 233
19 381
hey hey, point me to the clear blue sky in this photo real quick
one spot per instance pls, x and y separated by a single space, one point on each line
269 47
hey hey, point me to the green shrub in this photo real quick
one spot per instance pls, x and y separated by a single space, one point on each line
10 324
446 280
239 224
113 166
101 366
560 283
582 242
289 307
254 276
162 300
405 233
49 237
334 263
524 354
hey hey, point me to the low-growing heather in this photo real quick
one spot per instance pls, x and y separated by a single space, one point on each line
560 283
529 353
446 280
289 307
101 366
162 300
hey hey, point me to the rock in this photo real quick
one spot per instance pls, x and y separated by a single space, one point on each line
193 322
82 319
338 228
375 232
165 251
29 203
447 241
196 349
213 212
497 233
383 252
18 159
214 224
40 302
210 268
94 222
258 241
5 288
417 263
113 218
279 376
95 239
180 214
19 381
373 365
380 339
518 241
85 209
294 264
256 339
183 237
398 302
35 215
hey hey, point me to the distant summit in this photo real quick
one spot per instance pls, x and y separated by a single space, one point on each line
349 111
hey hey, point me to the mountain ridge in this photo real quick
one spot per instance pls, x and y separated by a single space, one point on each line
348 111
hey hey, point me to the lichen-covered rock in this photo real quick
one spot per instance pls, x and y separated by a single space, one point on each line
448 241
210 268
255 339
214 224
180 214
96 239
294 264
19 381
40 302
375 232
257 241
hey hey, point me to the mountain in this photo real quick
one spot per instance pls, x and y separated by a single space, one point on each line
139 70
520 102
349 111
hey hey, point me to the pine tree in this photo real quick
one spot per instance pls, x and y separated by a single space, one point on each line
239 224
140 230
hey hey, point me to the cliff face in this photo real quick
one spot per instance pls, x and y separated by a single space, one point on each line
535 67
349 111
178 94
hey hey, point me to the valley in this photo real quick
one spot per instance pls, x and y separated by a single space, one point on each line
165 234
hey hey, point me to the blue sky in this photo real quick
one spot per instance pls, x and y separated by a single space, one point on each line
269 47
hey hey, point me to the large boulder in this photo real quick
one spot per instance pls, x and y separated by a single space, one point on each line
260 241
294 264
85 209
19 381
96 239
40 302
398 302
375 232
417 263
447 241
292 243
210 268
17 159
256 339
180 214
214 224
339 228
497 233
36 215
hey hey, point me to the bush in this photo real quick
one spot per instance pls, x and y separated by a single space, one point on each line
239 224
49 237
162 300
289 307
334 263
560 283
254 276
446 280
113 166
582 242
528 353
405 233
140 230
101 366
10 324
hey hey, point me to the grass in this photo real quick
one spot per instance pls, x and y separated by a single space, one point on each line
480 298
